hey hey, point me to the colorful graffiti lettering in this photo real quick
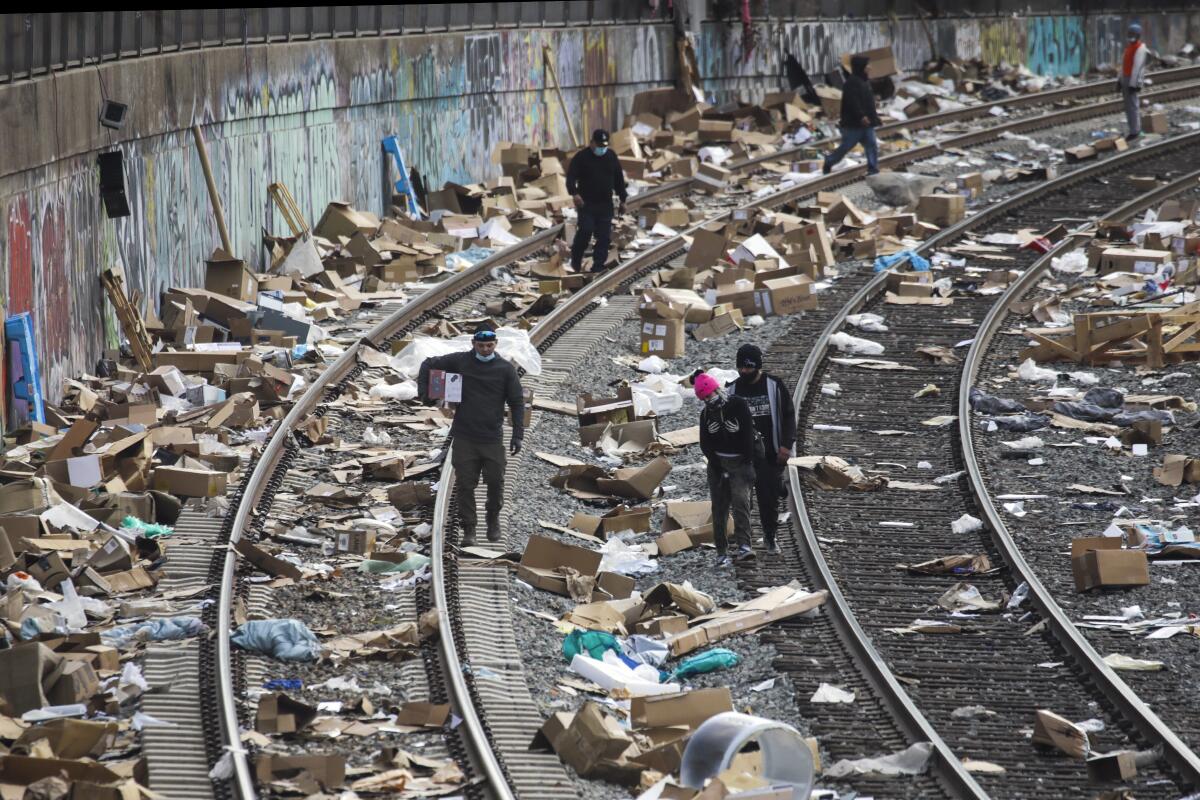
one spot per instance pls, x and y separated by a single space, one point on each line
1054 45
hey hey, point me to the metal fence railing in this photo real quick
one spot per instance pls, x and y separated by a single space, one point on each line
39 44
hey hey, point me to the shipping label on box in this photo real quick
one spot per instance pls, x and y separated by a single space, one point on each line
663 338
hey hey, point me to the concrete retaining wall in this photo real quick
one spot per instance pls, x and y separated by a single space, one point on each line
312 115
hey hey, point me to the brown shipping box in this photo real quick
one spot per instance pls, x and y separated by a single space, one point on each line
663 337
783 296
190 482
941 209
543 556
684 708
1155 122
1100 561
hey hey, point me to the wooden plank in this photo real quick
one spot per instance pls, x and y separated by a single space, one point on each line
1182 337
1054 346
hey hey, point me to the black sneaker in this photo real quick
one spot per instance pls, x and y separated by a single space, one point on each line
467 540
773 549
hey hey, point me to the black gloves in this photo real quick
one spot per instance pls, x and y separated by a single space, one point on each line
514 445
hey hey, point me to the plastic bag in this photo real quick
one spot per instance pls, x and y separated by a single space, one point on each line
374 437
916 261
652 364
1105 398
1073 263
1020 423
590 643
284 639
154 630
408 361
645 650
846 343
708 661
986 403
1030 371
405 390
625 559
375 567
148 529
511 344
867 322
1088 412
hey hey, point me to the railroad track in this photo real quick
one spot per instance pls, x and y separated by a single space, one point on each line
219 689
853 541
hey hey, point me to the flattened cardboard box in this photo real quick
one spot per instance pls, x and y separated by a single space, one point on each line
621 518
543 556
638 483
1052 730
683 708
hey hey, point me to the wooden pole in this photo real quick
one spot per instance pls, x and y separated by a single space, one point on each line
558 92
213 197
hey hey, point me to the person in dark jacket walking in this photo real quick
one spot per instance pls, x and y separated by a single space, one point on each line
489 382
729 441
771 408
859 118
593 177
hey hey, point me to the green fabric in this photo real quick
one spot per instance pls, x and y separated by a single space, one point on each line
148 529
594 643
708 661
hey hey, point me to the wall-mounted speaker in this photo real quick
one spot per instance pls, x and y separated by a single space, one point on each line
112 184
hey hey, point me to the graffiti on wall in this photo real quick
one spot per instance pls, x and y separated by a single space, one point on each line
312 116
1054 45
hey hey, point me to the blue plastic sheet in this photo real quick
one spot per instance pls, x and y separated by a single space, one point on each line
154 630
284 639
918 263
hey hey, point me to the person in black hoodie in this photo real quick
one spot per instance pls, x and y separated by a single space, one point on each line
859 118
489 383
771 407
729 442
593 176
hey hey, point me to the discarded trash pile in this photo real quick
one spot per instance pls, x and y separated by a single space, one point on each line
1145 274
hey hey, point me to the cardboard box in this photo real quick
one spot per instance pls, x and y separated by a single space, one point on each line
76 682
1131 259
708 248
683 708
638 483
329 770
673 542
621 518
1079 153
720 325
941 209
880 63
662 626
970 184
356 542
230 276
813 234
711 178
664 338
1052 730
1100 561
779 603
407 496
1177 469
783 296
190 482
591 738
1112 767
23 670
1155 122
278 713
342 219
543 556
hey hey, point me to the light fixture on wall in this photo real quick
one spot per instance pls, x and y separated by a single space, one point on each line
112 114
112 184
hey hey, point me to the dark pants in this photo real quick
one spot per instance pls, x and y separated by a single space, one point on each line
471 459
852 137
730 481
1133 114
768 488
595 219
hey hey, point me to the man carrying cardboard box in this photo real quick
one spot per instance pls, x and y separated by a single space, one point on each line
771 407
593 176
1131 78
487 384
859 118
730 443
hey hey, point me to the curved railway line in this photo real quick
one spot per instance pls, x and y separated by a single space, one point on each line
493 737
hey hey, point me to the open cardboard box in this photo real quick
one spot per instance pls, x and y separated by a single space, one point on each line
621 518
779 603
543 556
1100 562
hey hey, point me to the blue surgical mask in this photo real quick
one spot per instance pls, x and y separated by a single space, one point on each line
482 357
599 150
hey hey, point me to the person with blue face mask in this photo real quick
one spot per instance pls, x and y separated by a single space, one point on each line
489 383
593 177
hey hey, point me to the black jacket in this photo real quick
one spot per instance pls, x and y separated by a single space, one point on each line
487 386
858 101
783 413
595 178
727 428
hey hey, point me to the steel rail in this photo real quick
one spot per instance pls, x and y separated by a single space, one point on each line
272 452
575 305
949 767
1115 689
672 188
